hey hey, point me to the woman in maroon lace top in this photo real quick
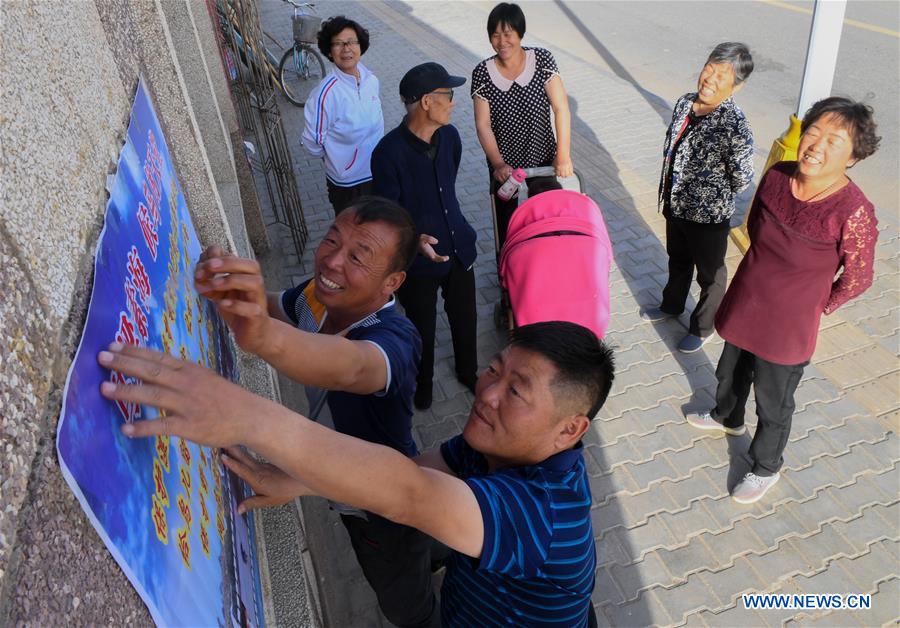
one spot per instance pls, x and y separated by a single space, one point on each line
809 222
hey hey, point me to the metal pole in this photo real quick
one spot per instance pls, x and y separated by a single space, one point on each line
818 76
821 53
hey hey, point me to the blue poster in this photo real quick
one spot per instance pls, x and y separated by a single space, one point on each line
164 507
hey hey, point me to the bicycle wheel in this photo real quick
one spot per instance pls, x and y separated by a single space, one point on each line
300 70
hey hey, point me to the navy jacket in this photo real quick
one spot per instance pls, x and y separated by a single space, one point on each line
421 177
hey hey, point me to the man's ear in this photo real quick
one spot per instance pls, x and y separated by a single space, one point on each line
738 87
393 282
571 430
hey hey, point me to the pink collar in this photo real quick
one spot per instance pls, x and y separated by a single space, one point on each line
504 84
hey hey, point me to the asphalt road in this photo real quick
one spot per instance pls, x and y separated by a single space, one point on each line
661 47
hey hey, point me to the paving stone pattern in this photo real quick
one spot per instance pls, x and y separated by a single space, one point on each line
673 548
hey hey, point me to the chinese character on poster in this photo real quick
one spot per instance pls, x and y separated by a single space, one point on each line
164 507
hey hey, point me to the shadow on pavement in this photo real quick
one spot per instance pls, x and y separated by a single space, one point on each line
624 222
739 461
623 218
658 103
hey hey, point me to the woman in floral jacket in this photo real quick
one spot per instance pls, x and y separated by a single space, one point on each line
707 161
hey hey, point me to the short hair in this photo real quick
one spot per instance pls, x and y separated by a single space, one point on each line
585 367
334 25
377 209
857 118
509 14
738 55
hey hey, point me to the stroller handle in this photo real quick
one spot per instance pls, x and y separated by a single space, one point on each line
542 171
573 182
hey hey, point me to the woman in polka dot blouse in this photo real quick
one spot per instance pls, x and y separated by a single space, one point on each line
513 93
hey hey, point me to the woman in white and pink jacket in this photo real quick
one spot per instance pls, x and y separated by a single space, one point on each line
343 113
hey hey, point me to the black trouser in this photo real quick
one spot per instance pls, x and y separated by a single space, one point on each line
592 616
691 244
418 295
396 561
774 386
341 198
505 209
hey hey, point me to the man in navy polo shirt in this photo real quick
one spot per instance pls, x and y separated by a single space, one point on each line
340 334
510 495
416 165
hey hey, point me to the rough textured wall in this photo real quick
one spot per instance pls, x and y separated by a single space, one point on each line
70 71
60 133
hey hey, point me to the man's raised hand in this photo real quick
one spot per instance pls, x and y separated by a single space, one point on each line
198 404
273 487
235 285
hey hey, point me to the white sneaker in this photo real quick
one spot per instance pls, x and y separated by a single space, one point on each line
704 421
753 487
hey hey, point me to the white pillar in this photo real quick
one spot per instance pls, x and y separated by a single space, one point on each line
821 54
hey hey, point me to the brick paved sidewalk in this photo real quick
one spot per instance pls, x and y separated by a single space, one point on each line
673 548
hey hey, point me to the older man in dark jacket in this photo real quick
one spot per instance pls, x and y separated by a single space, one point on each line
707 161
416 165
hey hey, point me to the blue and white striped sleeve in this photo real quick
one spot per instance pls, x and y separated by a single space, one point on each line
517 524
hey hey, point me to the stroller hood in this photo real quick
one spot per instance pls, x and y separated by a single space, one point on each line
556 259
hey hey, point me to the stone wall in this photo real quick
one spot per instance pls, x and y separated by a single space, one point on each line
70 71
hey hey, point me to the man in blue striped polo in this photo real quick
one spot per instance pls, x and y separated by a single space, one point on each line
510 495
520 456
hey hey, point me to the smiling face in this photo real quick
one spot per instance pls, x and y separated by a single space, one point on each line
826 149
506 41
515 419
353 275
345 55
716 83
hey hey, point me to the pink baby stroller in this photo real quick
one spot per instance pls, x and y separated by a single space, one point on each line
556 259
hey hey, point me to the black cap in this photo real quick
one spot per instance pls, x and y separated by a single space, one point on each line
426 78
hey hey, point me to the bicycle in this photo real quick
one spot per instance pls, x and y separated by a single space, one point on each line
303 72
301 67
